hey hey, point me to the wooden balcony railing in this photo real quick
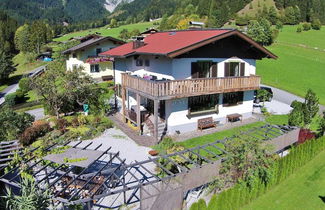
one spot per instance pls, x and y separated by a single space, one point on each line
189 87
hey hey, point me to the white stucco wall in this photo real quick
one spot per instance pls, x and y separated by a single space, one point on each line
106 68
177 110
175 68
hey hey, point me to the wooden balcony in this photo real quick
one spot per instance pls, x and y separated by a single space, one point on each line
190 87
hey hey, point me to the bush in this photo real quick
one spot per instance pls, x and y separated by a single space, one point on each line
61 124
299 29
10 99
24 84
316 24
306 26
30 135
12 124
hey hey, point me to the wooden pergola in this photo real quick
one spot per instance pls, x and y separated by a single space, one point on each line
106 174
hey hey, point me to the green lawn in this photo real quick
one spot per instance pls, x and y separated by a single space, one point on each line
300 191
114 32
23 66
298 67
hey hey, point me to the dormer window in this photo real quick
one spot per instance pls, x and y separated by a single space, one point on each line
234 69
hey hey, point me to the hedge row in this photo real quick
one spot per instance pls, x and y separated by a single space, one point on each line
240 194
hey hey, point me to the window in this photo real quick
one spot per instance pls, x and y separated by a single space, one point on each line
147 62
98 51
94 68
139 62
204 69
203 103
74 55
234 69
233 99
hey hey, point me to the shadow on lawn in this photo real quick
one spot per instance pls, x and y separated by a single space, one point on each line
322 198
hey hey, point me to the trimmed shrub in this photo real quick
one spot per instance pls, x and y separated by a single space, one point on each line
316 24
299 29
31 134
306 26
10 99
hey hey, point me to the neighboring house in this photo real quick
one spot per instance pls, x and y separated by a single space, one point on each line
170 80
86 56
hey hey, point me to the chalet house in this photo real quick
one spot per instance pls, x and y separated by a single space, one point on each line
171 80
86 53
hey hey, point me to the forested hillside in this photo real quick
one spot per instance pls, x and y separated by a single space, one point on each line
55 11
217 12
309 9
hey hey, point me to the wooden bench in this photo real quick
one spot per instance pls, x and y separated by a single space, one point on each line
107 78
206 123
233 117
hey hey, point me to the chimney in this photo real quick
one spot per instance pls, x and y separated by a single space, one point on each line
138 42
196 25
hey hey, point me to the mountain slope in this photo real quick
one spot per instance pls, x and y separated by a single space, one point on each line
110 5
55 10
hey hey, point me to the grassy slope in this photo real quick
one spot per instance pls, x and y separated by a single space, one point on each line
299 66
114 32
252 12
299 191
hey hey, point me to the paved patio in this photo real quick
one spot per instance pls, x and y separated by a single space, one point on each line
119 142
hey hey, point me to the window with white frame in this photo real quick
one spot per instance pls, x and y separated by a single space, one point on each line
94 68
234 69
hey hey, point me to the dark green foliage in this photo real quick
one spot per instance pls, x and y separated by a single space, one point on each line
303 113
24 85
260 31
311 106
316 24
240 195
306 26
55 11
321 127
308 9
6 65
10 99
8 27
246 161
299 29
12 124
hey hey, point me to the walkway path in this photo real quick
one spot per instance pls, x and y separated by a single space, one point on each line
12 88
37 113
287 98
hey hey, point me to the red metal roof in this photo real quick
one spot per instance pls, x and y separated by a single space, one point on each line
166 42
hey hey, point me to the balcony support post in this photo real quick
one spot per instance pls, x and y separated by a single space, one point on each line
156 103
138 113
123 103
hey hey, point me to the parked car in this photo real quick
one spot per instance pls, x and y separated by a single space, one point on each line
270 94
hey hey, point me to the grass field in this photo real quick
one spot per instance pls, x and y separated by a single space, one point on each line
300 64
300 191
105 31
